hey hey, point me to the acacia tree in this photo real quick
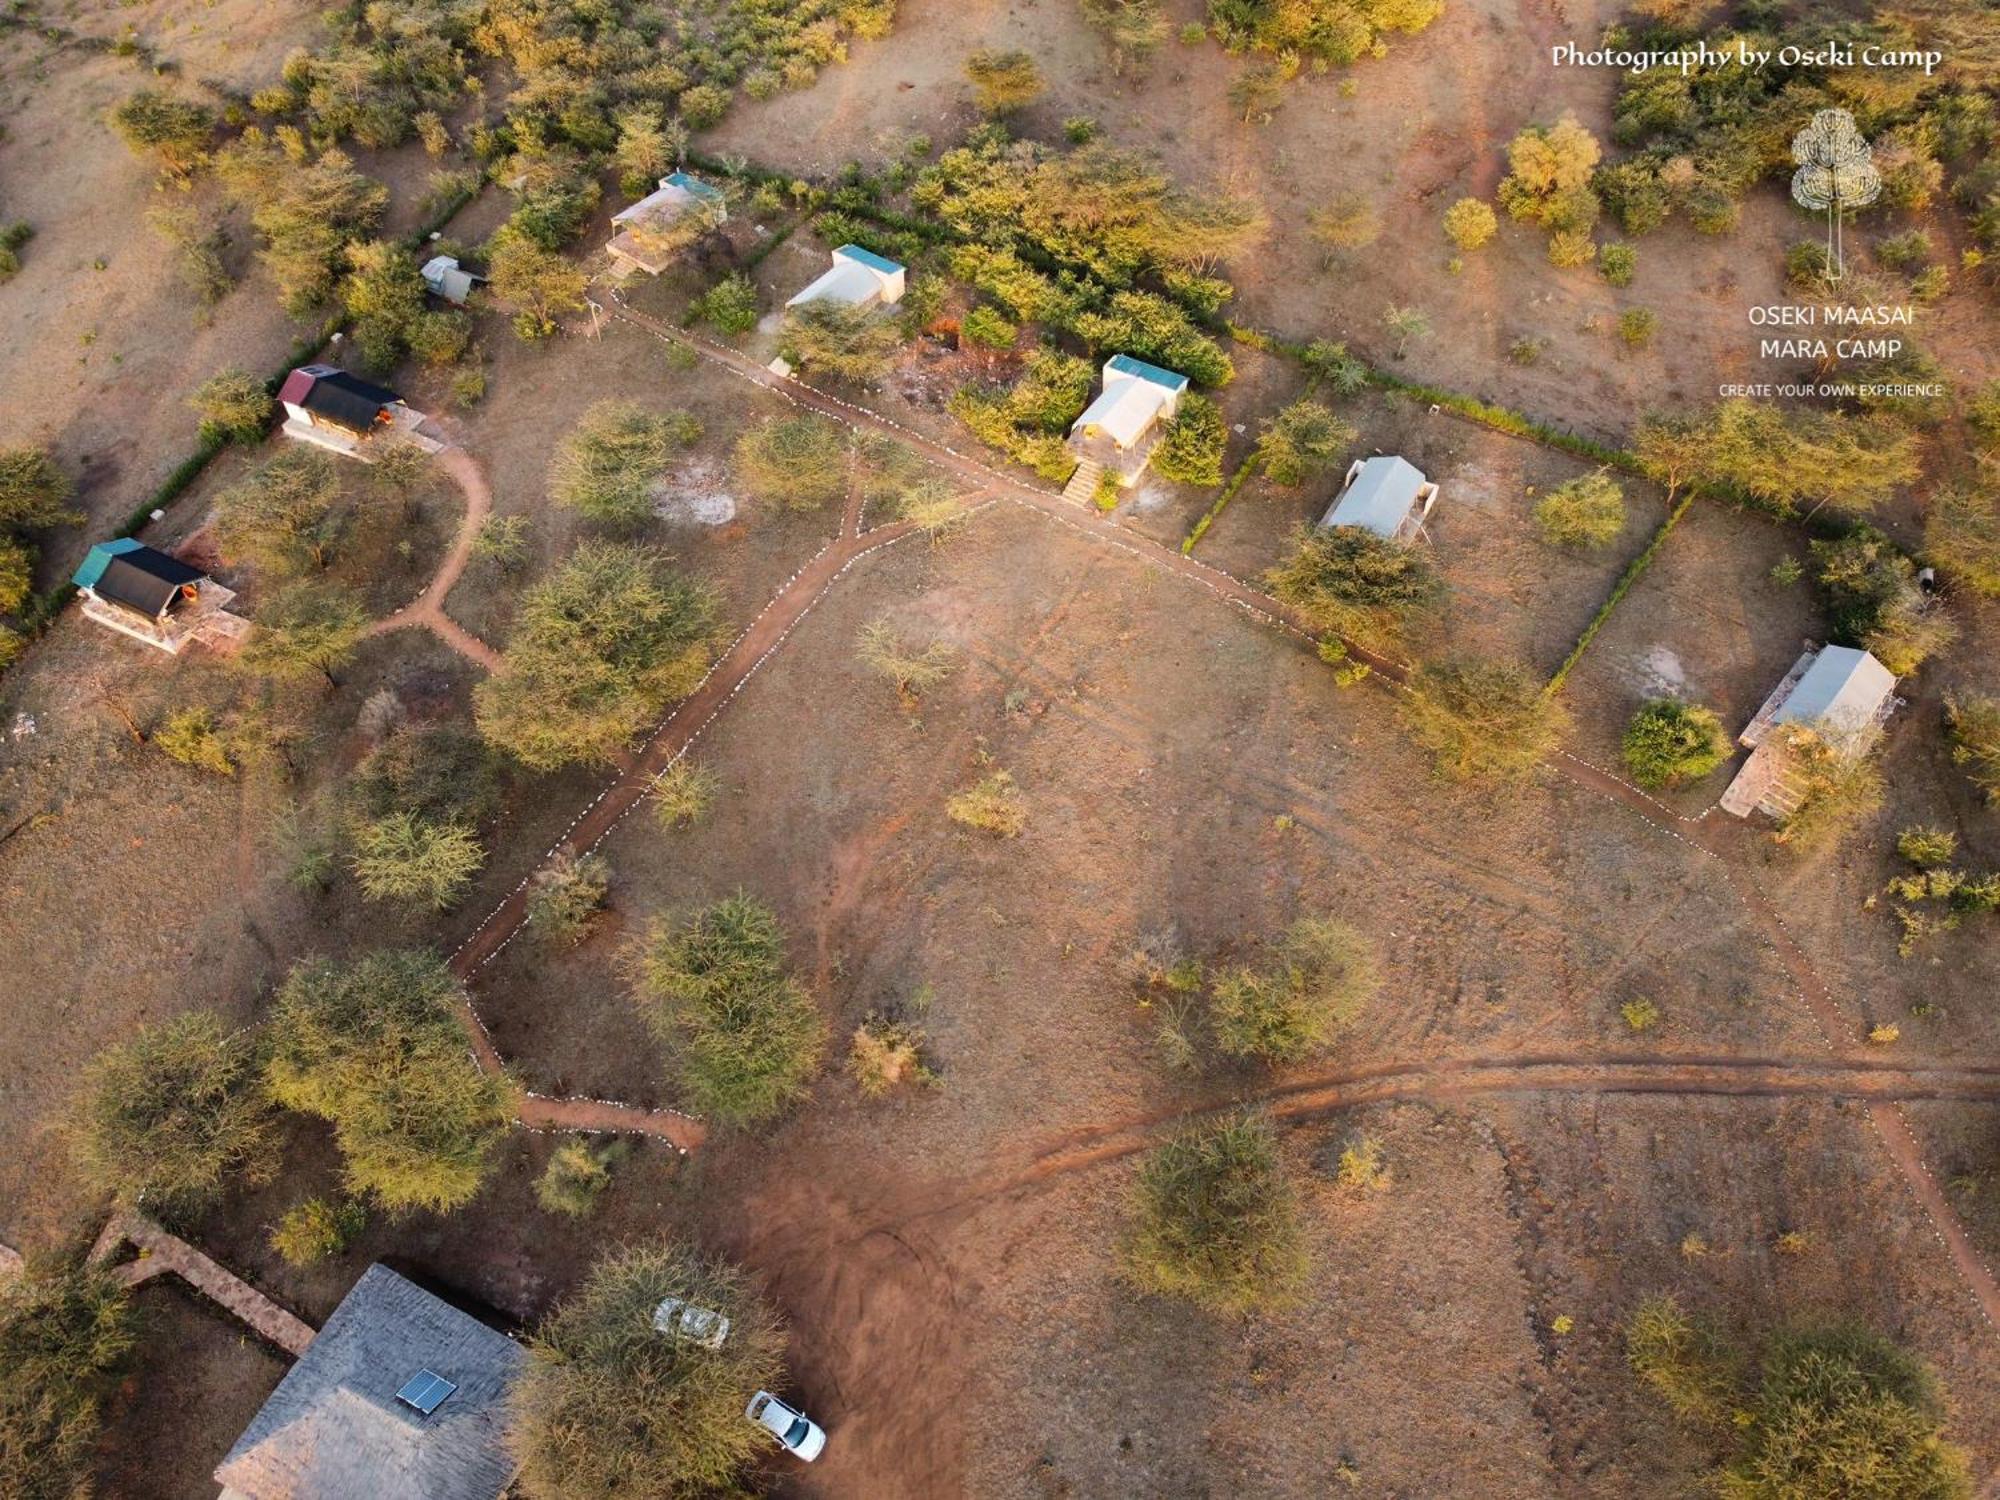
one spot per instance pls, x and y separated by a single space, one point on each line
1669 742
34 492
608 465
599 648
233 405
1352 582
169 1116
1215 1221
174 130
535 284
375 1047
64 1331
402 856
306 629
610 1407
841 339
1303 440
1588 511
745 1037
800 462
286 518
1481 720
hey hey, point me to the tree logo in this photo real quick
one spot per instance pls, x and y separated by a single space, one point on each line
1836 173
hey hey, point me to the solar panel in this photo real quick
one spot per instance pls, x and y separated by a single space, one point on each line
425 1391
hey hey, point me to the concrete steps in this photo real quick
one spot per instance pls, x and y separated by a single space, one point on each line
1082 486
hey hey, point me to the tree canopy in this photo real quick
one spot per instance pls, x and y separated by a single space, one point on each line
610 1408
746 1038
600 647
64 1332
287 517
173 1114
608 466
1480 720
375 1047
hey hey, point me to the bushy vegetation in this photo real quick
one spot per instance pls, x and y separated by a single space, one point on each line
992 804
172 1116
175 131
682 793
1003 82
34 494
1549 184
1784 457
305 630
1301 442
64 1333
403 856
375 1047
1588 511
1334 32
316 1229
744 1036
1962 536
1832 1410
1470 223
576 1177
1351 582
1874 601
234 406
1029 420
609 465
1838 788
566 896
884 1054
608 1407
729 307
1669 742
1973 726
1481 720
600 647
1191 443
800 462
913 670
1316 980
1215 1222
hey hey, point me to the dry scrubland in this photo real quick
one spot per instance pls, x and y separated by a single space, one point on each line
948 1259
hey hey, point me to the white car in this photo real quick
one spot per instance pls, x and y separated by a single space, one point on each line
697 1325
799 1433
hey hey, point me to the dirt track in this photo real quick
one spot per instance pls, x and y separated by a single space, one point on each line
426 611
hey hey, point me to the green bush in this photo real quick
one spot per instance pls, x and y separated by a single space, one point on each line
1683 1363
566 896
1973 727
174 1115
989 327
402 856
745 1037
1616 262
64 1333
1588 511
609 1408
682 793
1304 440
1215 1222
1669 742
1470 223
191 737
376 1048
234 406
1191 443
316 1229
729 307
1317 981
576 1177
1352 582
1481 720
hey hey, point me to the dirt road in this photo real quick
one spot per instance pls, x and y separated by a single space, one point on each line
426 611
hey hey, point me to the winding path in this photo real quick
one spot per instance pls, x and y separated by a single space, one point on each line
426 611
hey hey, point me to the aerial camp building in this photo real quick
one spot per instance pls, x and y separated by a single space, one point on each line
327 406
858 277
647 235
145 594
399 1397
1117 431
1386 495
1841 694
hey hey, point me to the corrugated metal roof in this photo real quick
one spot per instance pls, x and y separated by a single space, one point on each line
692 185
1125 364
870 259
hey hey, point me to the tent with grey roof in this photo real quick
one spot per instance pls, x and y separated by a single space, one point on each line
1386 495
400 1397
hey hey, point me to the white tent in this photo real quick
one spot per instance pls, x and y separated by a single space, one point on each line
1386 495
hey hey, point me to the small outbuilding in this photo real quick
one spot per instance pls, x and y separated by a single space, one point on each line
1117 431
857 277
1386 495
143 593
328 406
1843 695
647 235
400 1396
444 277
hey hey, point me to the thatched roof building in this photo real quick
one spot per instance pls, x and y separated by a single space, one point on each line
400 1397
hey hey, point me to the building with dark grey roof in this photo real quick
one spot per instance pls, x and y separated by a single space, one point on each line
400 1397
